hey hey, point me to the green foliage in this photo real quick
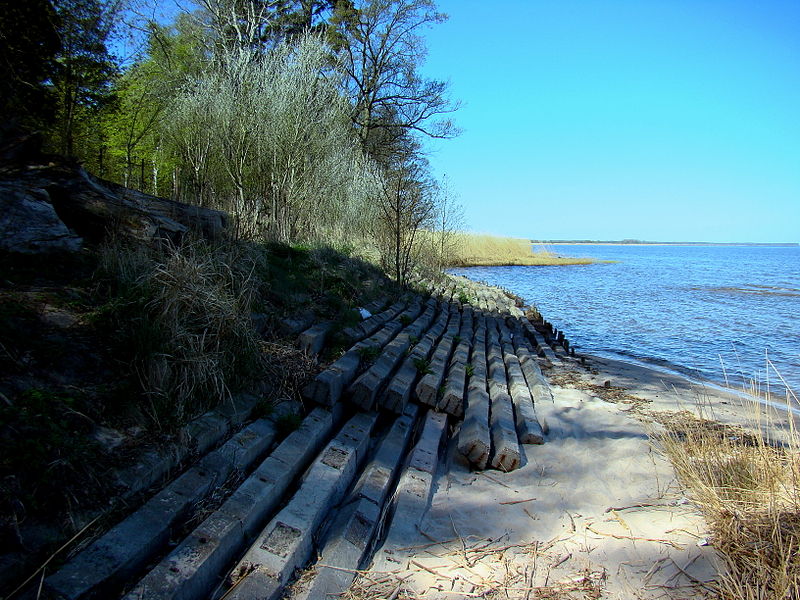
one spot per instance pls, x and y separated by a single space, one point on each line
368 354
288 422
43 442
463 298
84 72
30 43
405 320
237 131
422 365
469 370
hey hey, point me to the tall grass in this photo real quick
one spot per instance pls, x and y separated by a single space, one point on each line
747 486
473 249
183 314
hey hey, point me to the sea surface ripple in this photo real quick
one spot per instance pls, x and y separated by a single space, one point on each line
726 313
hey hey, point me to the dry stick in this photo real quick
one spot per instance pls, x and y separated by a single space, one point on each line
460 539
422 546
683 570
708 585
634 538
691 533
428 569
619 520
485 474
518 501
562 560
657 566
615 508
52 556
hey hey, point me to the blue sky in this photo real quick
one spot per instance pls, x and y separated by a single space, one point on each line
658 120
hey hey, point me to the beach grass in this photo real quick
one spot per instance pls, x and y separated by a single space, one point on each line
481 250
748 488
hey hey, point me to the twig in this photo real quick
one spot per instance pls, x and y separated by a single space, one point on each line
657 566
428 569
52 556
633 538
518 501
423 546
505 485
708 585
616 508
562 560
395 592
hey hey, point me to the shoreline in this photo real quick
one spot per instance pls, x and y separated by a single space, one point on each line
690 375
553 261
693 244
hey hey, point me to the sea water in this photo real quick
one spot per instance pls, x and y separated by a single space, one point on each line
730 314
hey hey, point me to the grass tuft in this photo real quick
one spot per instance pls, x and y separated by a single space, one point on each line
748 490
184 315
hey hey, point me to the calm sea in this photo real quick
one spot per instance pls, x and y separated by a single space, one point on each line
713 312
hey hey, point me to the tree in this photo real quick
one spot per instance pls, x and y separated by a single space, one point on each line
133 128
266 135
29 43
85 69
405 207
449 218
380 49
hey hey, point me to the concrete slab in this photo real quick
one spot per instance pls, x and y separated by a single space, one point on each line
354 528
505 446
286 543
187 572
312 340
474 440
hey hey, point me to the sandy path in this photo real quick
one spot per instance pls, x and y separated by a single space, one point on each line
595 512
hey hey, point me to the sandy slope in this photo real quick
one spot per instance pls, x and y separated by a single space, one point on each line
594 512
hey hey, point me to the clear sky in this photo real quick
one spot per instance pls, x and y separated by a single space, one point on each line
650 119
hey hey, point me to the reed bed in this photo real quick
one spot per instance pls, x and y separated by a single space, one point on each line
747 486
472 249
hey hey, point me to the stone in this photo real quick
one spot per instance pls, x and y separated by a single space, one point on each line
30 225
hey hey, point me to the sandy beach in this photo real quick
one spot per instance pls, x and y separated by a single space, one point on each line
594 512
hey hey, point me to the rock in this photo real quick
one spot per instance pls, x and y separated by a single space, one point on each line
29 223
47 205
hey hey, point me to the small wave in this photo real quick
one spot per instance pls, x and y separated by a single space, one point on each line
753 290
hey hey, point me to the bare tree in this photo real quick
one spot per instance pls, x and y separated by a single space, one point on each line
449 220
380 46
406 207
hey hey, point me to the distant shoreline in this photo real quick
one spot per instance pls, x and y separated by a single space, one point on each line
638 243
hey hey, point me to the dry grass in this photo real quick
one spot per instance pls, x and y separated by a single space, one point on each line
185 313
479 568
749 492
472 249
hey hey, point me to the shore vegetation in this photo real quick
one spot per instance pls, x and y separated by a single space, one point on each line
747 486
473 250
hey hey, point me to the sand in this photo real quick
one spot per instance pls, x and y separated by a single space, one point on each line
595 512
